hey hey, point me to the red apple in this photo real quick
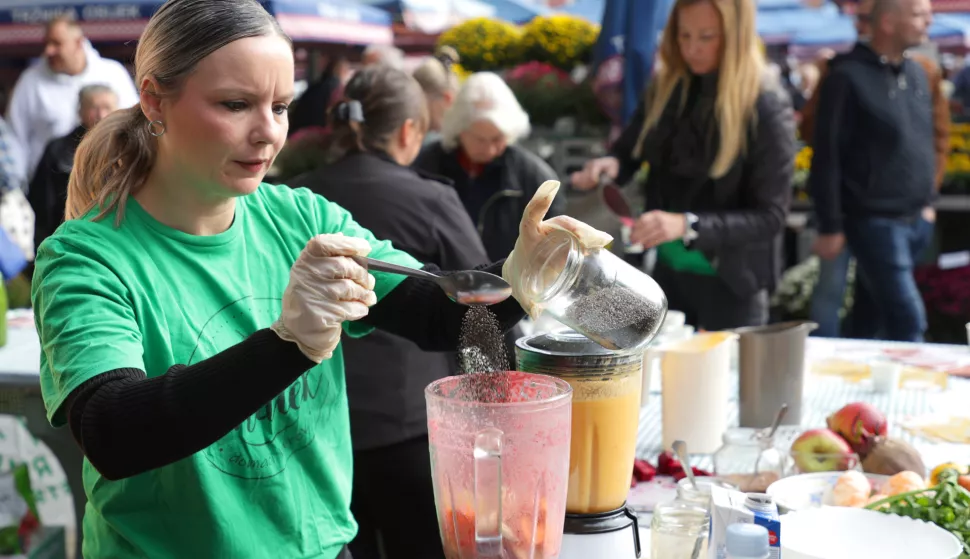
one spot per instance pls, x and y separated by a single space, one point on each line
821 450
859 424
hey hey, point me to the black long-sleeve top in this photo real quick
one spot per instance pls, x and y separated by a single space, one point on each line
741 215
115 416
873 140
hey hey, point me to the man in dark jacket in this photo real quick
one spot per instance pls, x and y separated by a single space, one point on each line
48 189
874 166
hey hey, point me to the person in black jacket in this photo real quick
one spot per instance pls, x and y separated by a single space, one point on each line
495 179
380 127
873 171
48 189
718 133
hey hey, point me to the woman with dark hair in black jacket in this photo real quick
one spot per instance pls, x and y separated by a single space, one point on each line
378 130
718 133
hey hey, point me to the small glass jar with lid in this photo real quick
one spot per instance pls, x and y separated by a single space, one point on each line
679 530
701 495
749 459
594 292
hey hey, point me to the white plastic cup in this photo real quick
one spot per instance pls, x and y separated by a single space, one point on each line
885 376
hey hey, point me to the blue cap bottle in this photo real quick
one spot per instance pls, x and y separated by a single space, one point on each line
747 541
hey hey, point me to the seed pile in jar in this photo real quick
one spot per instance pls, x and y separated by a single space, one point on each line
615 317
483 360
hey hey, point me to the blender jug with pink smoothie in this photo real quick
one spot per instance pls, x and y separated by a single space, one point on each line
500 468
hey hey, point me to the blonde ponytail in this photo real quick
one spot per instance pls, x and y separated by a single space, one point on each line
113 161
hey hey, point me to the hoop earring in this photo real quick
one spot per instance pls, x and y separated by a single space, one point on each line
152 129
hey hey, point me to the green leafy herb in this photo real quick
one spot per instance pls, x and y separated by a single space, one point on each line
947 505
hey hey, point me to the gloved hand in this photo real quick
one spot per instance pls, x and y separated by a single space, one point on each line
326 288
532 230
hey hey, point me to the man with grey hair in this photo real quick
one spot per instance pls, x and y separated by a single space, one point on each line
48 188
872 175
383 54
42 106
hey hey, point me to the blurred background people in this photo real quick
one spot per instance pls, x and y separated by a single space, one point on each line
877 105
718 133
378 129
44 101
383 54
829 292
494 178
48 188
311 108
440 85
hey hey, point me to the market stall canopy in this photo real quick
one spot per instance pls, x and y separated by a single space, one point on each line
828 27
319 21
591 10
517 11
433 16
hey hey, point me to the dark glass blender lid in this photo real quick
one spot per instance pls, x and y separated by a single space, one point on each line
566 350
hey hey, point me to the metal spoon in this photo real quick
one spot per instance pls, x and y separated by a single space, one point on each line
469 287
680 449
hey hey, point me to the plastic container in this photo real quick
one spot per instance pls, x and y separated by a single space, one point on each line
594 292
605 413
749 461
747 541
677 529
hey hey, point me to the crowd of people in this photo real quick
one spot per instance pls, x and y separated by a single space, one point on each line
190 313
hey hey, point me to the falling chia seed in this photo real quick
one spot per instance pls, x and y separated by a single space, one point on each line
615 317
483 360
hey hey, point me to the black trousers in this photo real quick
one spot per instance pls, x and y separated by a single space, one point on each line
708 302
393 502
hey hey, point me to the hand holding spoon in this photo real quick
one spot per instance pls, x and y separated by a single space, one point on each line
469 287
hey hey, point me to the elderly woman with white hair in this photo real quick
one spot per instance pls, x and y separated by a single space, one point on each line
494 178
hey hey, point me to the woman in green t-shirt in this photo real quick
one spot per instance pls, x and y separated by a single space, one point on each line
190 315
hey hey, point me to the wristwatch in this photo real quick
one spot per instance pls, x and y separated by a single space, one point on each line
690 227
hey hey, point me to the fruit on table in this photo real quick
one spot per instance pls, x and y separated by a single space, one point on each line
859 424
852 489
946 504
821 450
904 482
960 469
892 456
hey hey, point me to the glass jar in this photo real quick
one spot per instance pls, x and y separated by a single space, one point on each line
594 292
748 458
678 529
702 495
605 414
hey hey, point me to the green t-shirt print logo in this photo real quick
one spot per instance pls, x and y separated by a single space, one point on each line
261 446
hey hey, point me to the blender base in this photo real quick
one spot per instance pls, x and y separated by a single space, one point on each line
605 535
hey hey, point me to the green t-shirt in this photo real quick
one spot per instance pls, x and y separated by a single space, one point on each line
146 296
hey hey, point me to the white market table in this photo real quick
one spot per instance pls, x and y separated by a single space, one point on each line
825 394
20 395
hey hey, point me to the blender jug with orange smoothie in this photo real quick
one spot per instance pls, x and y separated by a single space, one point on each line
605 416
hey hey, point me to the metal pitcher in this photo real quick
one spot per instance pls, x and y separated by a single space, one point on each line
771 369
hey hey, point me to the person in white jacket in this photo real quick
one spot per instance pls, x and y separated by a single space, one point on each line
44 102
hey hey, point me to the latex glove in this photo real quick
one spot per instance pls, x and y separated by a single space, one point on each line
532 230
326 288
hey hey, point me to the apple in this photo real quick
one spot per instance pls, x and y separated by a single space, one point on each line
821 450
859 424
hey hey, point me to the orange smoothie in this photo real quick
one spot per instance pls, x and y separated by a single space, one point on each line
606 414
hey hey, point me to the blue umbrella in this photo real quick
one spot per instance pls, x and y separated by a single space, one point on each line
342 21
625 53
